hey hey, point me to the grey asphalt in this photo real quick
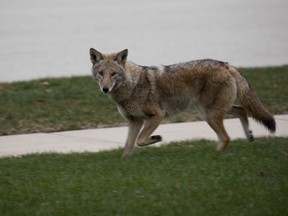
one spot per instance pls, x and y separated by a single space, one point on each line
40 39
95 140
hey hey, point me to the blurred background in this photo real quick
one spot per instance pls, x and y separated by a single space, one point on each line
52 38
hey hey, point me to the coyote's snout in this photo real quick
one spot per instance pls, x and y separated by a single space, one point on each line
145 95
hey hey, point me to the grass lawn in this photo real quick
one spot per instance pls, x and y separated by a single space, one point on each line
75 103
187 178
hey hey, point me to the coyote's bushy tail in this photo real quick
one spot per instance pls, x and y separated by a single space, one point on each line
251 102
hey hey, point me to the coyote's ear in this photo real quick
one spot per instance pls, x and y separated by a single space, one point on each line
95 56
121 57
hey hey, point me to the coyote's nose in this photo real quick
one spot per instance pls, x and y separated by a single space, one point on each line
105 89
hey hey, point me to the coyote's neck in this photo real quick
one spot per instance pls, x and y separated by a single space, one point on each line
126 88
122 93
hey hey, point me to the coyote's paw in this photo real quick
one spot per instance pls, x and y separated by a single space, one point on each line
250 136
156 138
151 140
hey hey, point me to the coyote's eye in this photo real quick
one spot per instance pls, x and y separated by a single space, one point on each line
113 74
100 73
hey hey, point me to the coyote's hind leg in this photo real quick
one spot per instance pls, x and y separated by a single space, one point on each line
215 119
240 112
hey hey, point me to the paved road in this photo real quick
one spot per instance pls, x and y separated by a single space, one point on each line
52 38
95 140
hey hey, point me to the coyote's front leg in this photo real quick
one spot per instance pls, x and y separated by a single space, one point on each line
135 126
151 124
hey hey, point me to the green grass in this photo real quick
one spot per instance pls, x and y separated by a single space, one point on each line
76 103
54 105
271 86
187 178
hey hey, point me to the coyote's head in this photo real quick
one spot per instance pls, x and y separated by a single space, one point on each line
108 70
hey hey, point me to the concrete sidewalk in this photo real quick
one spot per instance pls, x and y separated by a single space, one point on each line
94 140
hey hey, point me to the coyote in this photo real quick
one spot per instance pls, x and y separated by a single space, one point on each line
146 95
